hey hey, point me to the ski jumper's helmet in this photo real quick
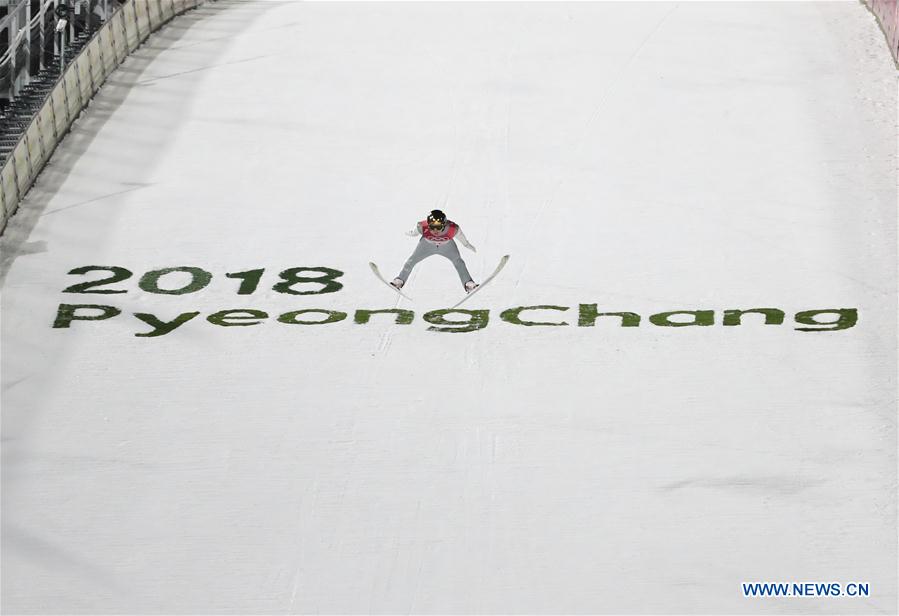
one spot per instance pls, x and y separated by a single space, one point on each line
436 219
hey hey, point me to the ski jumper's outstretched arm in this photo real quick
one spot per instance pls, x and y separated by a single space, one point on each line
464 240
416 231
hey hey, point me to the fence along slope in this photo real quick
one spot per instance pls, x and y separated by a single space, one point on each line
124 32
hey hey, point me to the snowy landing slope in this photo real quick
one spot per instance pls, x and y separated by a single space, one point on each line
643 157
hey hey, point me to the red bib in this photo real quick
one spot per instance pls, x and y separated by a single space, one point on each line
439 238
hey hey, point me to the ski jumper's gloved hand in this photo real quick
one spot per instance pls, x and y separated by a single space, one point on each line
414 232
464 241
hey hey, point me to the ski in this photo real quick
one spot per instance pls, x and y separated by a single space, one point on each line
377 272
502 264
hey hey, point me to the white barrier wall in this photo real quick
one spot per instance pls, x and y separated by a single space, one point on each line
122 34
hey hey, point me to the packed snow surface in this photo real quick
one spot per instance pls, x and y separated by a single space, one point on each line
643 157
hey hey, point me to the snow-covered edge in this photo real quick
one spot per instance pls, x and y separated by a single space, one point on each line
887 14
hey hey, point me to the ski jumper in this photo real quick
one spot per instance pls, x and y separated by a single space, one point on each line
437 243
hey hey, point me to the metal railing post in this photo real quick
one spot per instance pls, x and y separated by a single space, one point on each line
13 30
40 36
71 23
28 39
56 38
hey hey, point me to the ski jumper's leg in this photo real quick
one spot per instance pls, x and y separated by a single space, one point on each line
451 252
423 250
